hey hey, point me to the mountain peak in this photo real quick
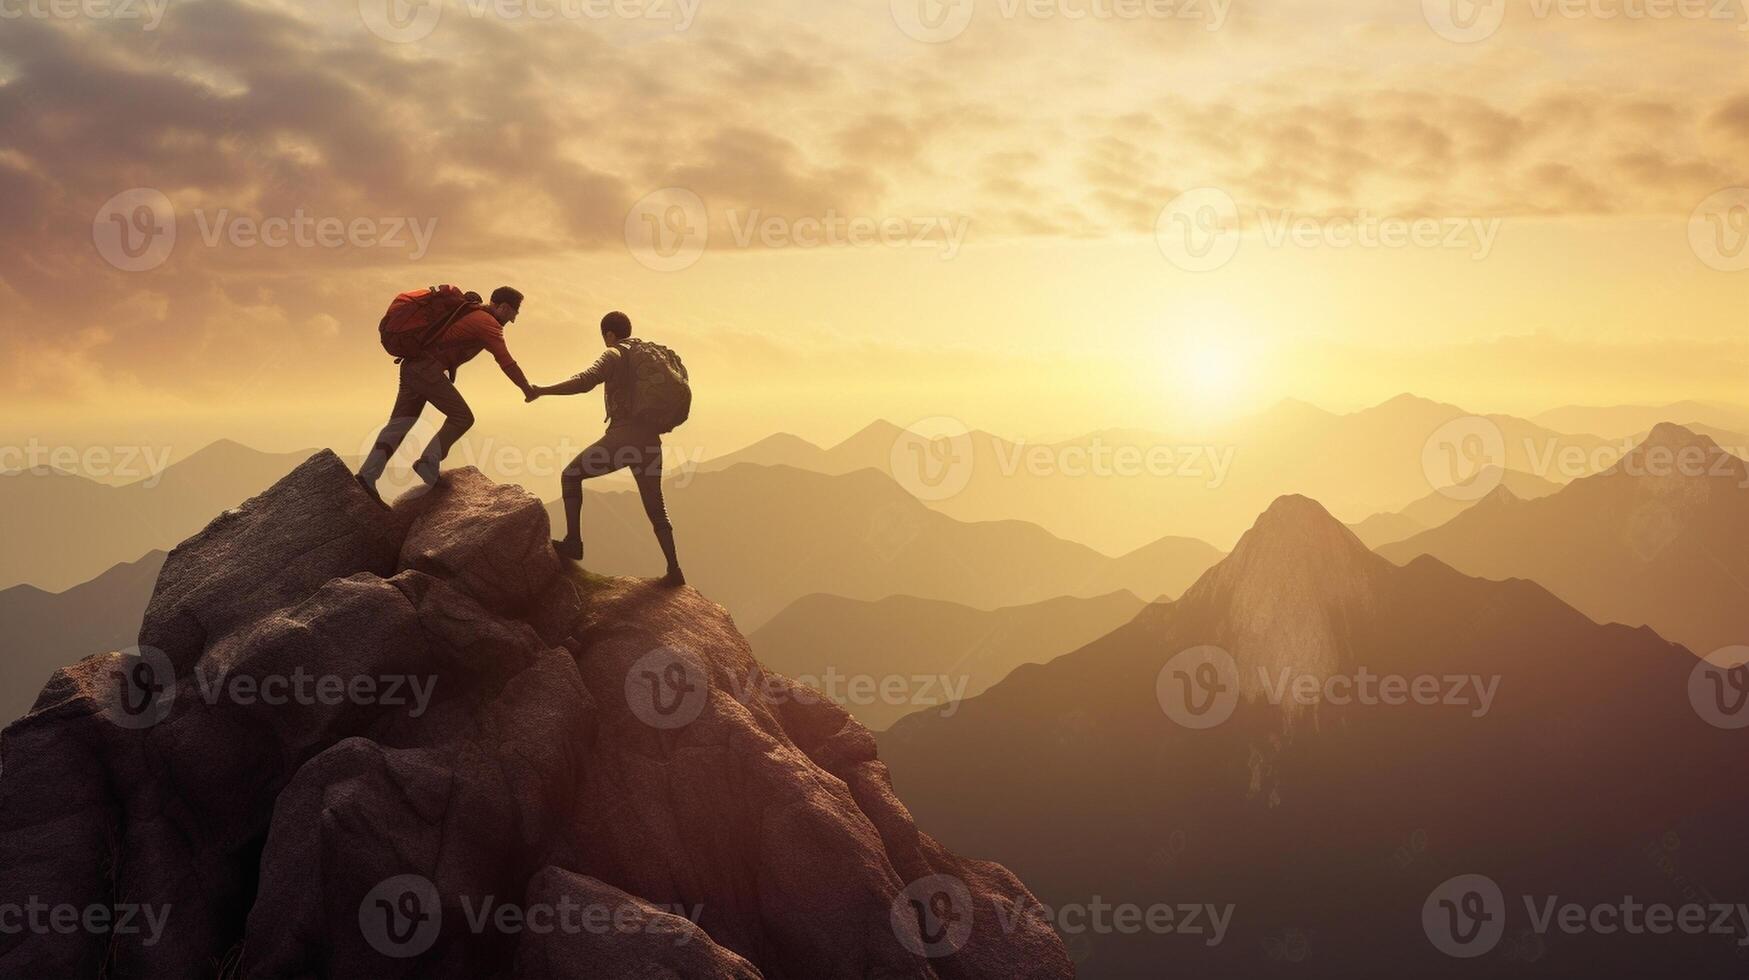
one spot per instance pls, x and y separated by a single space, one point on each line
557 701
1673 454
1410 400
1298 518
1500 496
1670 435
1283 598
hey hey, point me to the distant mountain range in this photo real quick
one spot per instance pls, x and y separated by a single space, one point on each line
757 538
1115 490
61 529
47 630
1119 489
1651 541
886 658
1441 506
1634 421
1172 761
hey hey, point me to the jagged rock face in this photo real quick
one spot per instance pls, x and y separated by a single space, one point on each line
1285 596
409 745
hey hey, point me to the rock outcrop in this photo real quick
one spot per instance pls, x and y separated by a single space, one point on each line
366 743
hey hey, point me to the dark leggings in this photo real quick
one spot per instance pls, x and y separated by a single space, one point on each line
622 447
423 382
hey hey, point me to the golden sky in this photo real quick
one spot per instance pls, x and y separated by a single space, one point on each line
1012 182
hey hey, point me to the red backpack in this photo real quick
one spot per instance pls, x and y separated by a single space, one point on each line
417 319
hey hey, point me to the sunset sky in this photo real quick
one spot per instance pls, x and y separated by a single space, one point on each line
1579 156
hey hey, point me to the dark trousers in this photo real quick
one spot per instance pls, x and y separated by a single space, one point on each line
423 382
624 446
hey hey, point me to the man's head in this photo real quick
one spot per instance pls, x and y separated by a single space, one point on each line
506 303
615 327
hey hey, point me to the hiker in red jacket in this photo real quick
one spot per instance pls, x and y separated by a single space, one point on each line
647 395
428 378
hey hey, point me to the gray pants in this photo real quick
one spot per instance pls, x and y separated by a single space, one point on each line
423 382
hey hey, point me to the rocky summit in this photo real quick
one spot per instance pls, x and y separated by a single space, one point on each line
356 742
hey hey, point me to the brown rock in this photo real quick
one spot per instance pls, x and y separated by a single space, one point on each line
548 733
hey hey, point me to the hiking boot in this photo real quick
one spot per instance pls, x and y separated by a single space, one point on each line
427 473
370 490
569 549
674 579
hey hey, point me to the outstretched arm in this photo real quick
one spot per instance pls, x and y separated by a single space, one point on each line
579 385
586 382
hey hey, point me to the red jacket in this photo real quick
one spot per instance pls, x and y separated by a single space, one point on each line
471 334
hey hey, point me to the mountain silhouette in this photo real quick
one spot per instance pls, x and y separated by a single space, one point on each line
1650 541
1202 484
758 538
62 530
610 744
1326 821
929 649
48 630
1623 421
1441 506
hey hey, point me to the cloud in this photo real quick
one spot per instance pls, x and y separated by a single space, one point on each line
522 139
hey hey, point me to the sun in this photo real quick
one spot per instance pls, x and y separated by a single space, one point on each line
1212 371
1210 374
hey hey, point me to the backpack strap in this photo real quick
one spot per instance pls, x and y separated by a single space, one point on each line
433 332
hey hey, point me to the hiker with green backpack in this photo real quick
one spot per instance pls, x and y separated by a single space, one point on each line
431 333
648 395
